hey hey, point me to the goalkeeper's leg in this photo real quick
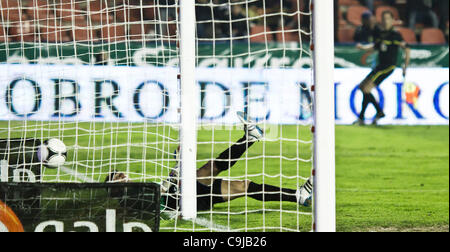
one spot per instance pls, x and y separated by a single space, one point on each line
229 157
231 190
223 162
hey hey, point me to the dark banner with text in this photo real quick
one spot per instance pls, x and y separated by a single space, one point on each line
237 55
56 207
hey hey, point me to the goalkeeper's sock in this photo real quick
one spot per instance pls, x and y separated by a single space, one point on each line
229 157
270 193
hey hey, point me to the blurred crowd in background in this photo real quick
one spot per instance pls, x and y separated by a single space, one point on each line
419 21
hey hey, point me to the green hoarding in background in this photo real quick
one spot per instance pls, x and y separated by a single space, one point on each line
239 54
421 56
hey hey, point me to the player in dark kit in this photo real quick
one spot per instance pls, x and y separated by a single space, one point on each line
387 44
212 190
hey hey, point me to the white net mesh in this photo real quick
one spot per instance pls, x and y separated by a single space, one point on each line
254 56
102 77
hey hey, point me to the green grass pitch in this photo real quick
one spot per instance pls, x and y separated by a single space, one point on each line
390 178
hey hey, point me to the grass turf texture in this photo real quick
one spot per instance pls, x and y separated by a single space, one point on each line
390 178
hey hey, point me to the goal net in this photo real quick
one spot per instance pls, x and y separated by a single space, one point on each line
104 76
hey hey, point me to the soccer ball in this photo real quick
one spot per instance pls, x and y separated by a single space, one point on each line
53 153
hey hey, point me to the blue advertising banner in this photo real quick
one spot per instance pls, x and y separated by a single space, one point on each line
150 94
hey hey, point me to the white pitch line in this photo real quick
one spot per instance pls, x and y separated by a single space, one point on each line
76 174
211 225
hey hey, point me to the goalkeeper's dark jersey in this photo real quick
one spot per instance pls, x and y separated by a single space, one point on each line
21 155
387 44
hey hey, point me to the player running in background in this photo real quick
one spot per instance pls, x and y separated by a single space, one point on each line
387 44
212 190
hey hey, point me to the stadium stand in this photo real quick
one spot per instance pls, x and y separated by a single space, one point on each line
346 34
84 32
432 36
38 10
113 33
3 38
127 14
259 34
408 35
447 30
348 2
341 20
68 11
52 31
23 31
74 24
350 12
138 31
287 36
354 14
100 12
381 9
10 10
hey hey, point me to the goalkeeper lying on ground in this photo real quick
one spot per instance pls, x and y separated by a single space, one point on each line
212 190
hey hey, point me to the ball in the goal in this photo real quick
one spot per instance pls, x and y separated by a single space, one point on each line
53 153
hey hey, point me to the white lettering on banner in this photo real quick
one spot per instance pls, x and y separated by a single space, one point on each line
422 100
19 174
28 176
276 96
3 171
58 226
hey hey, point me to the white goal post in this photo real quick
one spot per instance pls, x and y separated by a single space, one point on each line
189 109
125 84
324 137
